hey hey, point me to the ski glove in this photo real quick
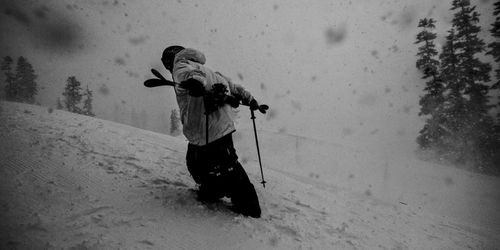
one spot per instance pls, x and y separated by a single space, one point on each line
194 87
254 105
233 101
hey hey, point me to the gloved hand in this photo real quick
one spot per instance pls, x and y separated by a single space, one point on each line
194 87
233 101
254 105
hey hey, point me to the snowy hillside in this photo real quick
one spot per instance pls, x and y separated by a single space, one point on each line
76 182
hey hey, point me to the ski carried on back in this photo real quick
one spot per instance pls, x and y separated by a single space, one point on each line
160 81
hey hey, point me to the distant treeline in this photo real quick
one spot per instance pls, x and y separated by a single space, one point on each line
21 86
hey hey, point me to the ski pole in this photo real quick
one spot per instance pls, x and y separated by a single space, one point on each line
206 121
206 126
258 150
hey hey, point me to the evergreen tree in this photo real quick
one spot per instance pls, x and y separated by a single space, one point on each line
495 50
454 105
72 95
432 101
10 87
474 73
25 80
21 85
59 104
469 113
174 122
87 103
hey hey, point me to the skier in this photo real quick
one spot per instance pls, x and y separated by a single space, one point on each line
206 100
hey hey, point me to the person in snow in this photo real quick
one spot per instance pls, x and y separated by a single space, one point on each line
206 101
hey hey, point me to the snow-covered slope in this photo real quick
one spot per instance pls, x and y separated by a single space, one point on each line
70 181
395 177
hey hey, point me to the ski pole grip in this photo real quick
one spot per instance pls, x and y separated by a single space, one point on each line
263 108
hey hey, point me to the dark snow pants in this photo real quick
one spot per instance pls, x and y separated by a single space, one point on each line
216 169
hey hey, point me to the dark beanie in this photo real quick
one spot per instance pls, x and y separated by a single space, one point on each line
170 52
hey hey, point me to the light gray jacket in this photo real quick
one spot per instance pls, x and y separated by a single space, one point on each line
189 63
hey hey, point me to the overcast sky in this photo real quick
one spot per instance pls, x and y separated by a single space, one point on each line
341 71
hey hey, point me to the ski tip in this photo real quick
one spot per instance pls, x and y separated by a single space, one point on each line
157 74
150 83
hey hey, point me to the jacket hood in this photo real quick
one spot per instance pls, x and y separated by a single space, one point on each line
191 55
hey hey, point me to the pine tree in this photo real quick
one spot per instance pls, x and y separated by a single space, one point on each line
87 103
10 87
21 85
495 50
25 80
474 72
59 104
72 95
432 101
454 105
174 122
471 119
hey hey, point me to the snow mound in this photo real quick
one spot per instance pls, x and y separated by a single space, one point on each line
76 182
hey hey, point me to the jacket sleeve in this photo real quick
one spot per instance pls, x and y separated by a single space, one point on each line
185 70
238 91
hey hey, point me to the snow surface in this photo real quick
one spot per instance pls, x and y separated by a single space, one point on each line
76 182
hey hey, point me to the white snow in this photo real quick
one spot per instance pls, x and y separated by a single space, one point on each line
75 182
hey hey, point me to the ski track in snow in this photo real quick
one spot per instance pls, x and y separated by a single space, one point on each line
75 182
